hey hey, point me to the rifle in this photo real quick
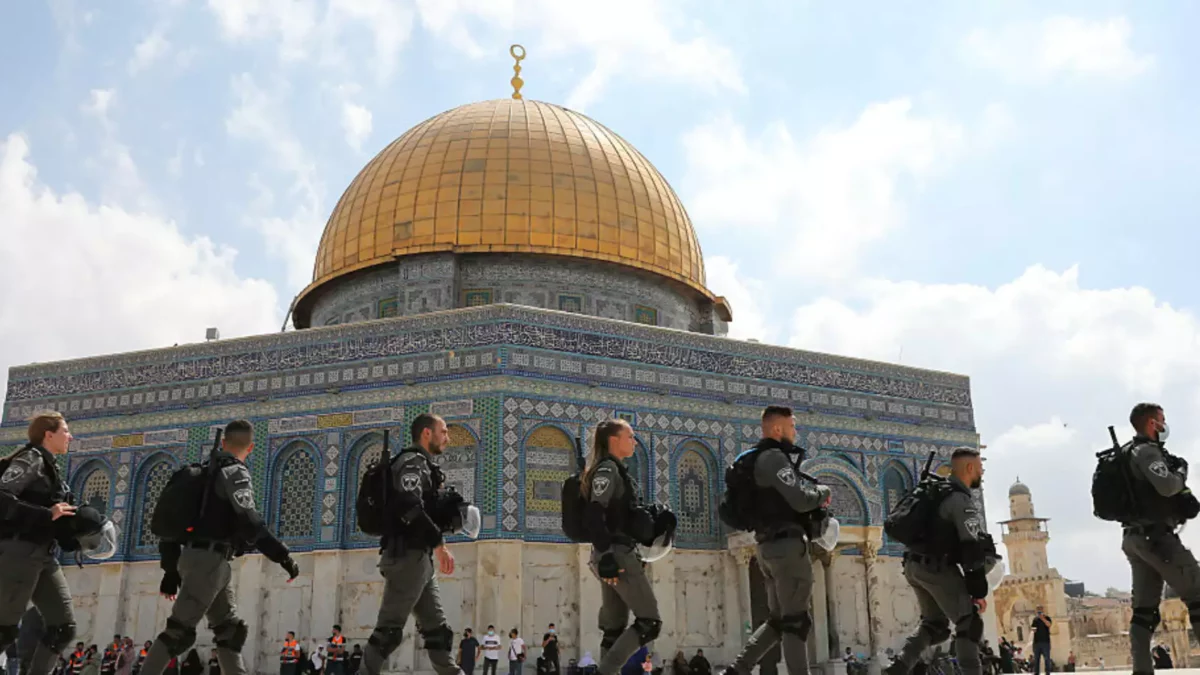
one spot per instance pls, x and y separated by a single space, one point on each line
1112 433
385 458
209 478
579 458
928 466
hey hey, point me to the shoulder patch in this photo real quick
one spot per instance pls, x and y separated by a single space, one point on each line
1158 468
244 498
600 484
786 475
15 471
972 525
410 482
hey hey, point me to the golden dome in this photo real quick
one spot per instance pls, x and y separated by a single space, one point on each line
512 176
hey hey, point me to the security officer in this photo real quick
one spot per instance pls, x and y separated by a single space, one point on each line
945 593
197 572
336 664
289 656
782 545
611 495
406 557
32 496
1155 553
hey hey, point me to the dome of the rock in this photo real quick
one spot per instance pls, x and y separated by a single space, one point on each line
512 177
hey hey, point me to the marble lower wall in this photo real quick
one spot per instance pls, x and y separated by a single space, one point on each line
506 583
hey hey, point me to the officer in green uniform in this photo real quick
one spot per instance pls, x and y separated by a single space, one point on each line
611 495
32 500
782 498
1150 541
197 573
948 572
406 561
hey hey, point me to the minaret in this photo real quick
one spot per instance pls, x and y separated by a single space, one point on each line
1025 535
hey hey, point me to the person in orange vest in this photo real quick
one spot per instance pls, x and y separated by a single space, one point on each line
75 664
137 667
336 665
289 656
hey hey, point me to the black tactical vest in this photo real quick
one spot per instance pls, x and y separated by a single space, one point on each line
944 542
619 513
46 491
1151 506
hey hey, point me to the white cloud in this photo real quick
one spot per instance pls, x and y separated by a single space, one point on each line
1038 52
148 51
746 296
81 267
627 38
98 103
1052 365
829 196
356 121
113 164
259 117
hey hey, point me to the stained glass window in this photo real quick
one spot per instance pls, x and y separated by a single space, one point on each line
549 459
155 480
894 486
96 485
846 505
695 497
297 495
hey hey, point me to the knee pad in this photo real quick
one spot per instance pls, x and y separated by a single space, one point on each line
610 637
647 629
796 624
58 638
386 640
969 627
177 638
8 635
937 629
1146 617
440 639
231 635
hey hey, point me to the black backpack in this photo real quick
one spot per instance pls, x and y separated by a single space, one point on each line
1113 496
911 520
737 506
574 506
374 494
184 499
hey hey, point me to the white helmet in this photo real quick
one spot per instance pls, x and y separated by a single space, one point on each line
996 574
101 545
830 529
469 521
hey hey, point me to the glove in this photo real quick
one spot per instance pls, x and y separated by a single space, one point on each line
170 584
607 566
292 568
825 493
977 584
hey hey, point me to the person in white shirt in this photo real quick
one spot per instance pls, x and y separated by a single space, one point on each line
490 648
516 653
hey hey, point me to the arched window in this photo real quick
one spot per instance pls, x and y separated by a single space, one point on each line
895 484
154 480
694 507
96 485
458 461
297 485
549 459
847 506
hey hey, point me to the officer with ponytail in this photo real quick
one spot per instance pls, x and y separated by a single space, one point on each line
34 502
616 526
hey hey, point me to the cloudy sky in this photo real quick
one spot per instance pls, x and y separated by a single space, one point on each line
997 189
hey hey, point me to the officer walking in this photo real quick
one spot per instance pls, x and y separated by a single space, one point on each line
945 593
197 572
32 497
780 500
406 557
1149 541
611 495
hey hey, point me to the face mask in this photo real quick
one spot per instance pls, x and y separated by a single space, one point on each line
1164 432
552 631
491 632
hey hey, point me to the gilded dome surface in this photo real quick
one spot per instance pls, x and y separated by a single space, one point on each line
512 176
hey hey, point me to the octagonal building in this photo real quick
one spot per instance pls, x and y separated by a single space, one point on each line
524 272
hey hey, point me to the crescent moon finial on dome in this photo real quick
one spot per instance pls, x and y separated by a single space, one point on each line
518 53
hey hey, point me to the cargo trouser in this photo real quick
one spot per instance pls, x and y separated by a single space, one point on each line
29 572
943 599
1156 555
787 572
631 593
409 588
204 592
